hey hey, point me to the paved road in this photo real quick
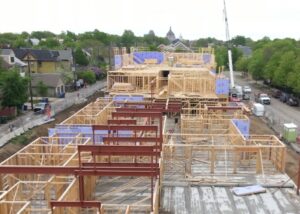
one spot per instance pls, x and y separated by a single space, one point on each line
277 113
29 120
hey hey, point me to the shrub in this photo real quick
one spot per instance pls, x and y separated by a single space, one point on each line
87 76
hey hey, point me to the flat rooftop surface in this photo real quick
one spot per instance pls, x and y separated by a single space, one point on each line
209 199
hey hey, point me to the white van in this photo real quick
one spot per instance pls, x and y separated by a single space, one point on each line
258 109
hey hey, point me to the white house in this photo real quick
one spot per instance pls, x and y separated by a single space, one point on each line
11 60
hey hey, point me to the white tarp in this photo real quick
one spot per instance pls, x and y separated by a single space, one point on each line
248 190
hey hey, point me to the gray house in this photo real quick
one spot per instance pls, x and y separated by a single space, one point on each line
54 82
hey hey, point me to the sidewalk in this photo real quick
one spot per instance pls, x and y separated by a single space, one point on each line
29 120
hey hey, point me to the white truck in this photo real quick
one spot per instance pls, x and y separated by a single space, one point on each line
246 92
262 98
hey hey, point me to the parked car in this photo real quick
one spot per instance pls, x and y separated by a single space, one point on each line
276 93
246 92
284 97
262 98
292 101
40 108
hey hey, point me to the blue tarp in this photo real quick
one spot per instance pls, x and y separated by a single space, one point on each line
222 86
206 58
243 126
86 131
139 57
132 98
118 61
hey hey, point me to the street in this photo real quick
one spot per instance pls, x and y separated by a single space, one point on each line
277 113
29 119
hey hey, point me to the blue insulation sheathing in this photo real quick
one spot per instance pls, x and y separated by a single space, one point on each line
86 131
206 58
139 57
118 61
243 126
222 86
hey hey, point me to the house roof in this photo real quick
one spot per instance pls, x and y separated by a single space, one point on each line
247 51
40 55
50 80
65 55
5 51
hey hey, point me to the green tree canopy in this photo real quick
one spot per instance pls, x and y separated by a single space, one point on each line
128 38
87 76
42 89
80 58
50 43
14 89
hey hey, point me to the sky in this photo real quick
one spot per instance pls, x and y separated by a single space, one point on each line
193 19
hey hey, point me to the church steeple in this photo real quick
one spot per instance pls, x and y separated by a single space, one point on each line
170 35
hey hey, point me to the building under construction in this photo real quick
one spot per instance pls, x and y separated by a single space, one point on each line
165 140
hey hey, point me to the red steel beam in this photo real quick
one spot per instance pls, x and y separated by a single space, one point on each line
224 107
128 128
94 166
95 172
130 139
57 170
154 165
148 110
65 170
119 150
137 114
119 122
171 103
83 204
140 109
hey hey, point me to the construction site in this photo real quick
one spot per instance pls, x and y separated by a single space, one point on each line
165 139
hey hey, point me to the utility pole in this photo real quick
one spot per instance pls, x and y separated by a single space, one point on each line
109 56
29 74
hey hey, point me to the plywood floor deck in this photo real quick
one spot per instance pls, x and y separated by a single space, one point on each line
220 200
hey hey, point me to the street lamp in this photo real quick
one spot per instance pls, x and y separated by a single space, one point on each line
29 60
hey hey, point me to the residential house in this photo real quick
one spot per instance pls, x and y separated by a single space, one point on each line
247 51
41 61
53 81
65 59
11 60
176 45
46 61
34 41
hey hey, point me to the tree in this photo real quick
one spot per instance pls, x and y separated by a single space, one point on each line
80 58
42 89
50 43
128 38
14 89
221 56
286 65
87 76
150 38
42 34
256 65
20 42
102 37
239 40
242 64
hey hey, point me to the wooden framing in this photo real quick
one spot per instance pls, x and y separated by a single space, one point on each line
205 145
